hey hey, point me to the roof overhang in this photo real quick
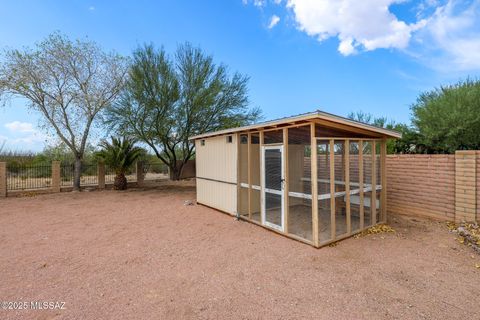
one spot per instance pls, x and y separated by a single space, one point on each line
307 117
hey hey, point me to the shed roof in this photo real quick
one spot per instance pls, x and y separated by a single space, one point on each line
321 115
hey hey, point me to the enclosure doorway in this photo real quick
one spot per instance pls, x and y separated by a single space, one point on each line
273 178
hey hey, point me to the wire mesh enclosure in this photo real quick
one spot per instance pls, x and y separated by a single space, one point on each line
312 183
299 182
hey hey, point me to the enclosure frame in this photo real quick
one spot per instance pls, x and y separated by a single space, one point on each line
360 134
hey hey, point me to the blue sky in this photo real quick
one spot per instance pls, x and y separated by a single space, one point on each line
301 55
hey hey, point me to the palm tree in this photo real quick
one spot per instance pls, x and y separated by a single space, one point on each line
120 155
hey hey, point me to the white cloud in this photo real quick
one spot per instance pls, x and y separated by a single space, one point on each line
451 38
30 139
260 3
22 134
22 127
33 141
273 21
347 47
256 3
445 34
91 8
359 25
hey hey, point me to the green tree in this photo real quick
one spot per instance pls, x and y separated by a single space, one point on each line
409 143
406 144
167 100
368 118
120 155
448 118
69 83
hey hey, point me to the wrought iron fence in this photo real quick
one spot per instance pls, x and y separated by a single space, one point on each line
110 174
155 171
89 174
67 172
22 177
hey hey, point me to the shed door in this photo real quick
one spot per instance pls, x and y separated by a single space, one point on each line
273 185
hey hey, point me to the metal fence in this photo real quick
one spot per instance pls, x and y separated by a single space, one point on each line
89 174
66 174
155 171
21 177
110 174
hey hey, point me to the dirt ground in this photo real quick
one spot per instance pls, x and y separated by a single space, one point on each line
143 254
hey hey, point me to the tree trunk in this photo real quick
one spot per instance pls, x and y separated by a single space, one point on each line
175 171
77 173
120 182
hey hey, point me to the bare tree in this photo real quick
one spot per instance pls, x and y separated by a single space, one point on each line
69 83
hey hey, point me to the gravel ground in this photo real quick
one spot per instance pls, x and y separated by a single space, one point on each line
143 254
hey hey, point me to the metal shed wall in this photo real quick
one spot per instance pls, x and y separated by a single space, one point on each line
217 173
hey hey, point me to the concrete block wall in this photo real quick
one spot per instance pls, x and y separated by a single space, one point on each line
56 176
421 185
3 179
189 170
478 185
443 187
465 186
101 175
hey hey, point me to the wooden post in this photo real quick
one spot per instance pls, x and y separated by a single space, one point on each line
239 186
262 186
360 182
373 197
101 175
140 175
383 168
332 189
3 179
55 176
249 174
286 180
347 186
314 184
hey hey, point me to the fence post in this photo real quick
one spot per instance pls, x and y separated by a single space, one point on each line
140 175
101 175
55 176
3 179
465 186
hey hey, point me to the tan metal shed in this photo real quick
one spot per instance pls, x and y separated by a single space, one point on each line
263 173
